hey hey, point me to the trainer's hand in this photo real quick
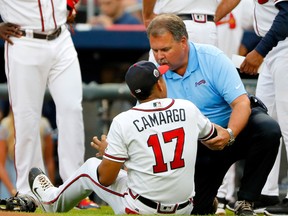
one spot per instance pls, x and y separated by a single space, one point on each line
220 141
9 29
99 145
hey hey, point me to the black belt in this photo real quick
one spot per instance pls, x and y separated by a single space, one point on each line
194 17
154 205
48 37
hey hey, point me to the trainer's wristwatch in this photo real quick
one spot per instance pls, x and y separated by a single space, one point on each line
232 138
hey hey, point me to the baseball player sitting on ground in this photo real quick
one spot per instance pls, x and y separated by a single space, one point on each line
156 140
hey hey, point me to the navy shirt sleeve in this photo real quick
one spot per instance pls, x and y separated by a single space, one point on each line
277 32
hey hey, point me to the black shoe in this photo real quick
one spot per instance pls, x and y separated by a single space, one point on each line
279 209
34 172
244 208
264 202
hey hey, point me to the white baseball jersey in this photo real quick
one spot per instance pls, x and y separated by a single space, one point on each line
186 6
158 143
36 15
264 16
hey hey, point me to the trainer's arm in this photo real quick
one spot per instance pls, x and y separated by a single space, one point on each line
238 119
241 111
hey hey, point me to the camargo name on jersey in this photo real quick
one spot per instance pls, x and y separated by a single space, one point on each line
159 118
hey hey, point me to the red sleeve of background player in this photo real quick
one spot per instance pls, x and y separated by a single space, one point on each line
71 4
72 13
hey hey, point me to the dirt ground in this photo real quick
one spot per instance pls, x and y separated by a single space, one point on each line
7 213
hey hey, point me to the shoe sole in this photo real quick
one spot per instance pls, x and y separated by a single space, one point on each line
229 208
259 210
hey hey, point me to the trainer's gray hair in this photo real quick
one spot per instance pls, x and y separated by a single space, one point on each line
167 23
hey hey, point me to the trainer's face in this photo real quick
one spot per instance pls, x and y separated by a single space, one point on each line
168 51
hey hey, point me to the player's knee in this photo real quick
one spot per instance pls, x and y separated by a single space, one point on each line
91 165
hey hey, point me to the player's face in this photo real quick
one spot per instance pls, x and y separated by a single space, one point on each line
168 51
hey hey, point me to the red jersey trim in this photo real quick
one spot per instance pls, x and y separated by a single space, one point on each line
114 158
41 15
53 14
93 181
209 134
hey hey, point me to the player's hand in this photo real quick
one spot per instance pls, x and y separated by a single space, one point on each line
148 19
71 17
251 63
9 29
99 145
220 141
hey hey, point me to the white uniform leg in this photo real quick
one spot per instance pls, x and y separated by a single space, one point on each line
26 79
84 181
271 88
81 184
281 89
65 86
227 189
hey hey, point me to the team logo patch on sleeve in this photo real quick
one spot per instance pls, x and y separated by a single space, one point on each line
157 104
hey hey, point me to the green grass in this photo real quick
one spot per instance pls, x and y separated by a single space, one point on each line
105 210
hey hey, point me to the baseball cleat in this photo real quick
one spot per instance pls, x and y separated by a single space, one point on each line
39 184
87 204
244 208
221 206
